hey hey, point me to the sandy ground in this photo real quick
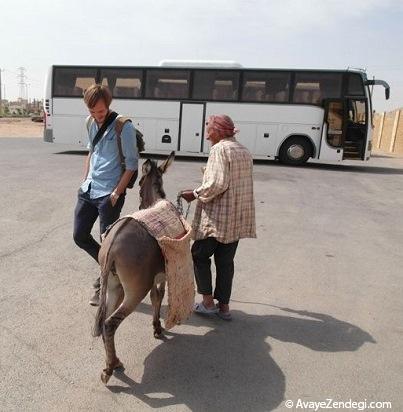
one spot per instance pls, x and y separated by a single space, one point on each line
20 127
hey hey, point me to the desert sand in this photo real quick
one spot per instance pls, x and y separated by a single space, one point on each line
20 127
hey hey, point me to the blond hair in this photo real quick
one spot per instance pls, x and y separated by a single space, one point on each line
95 93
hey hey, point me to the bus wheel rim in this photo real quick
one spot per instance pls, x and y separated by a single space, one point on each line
295 152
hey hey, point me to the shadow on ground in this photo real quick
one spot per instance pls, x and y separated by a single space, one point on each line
356 169
230 367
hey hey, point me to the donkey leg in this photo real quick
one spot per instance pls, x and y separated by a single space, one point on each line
114 296
130 301
161 294
157 294
108 336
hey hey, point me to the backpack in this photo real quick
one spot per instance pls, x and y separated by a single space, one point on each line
119 123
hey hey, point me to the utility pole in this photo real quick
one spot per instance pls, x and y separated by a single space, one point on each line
21 83
27 90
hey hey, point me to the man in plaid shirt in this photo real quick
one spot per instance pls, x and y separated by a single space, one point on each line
225 213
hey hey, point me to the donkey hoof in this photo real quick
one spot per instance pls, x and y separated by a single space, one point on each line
158 334
119 365
105 377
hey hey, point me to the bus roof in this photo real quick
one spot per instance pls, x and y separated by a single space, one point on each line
222 64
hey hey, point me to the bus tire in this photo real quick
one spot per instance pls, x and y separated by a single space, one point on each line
296 150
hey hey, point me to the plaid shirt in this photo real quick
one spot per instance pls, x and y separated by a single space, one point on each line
225 208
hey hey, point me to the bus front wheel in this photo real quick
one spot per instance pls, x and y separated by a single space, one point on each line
295 151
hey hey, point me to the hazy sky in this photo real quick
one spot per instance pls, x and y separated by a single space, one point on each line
256 33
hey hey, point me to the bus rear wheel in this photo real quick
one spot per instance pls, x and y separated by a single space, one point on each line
295 151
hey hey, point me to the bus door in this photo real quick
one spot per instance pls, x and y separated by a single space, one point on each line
356 129
333 132
191 127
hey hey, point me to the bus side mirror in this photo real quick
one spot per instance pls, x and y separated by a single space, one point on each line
382 83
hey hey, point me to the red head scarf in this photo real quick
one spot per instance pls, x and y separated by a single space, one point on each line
223 124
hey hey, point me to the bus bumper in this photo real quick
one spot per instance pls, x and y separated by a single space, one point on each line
48 135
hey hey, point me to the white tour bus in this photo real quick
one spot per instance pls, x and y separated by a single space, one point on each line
292 115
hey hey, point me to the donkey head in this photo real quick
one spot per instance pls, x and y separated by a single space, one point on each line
151 186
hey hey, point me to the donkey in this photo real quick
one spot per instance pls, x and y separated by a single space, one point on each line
130 261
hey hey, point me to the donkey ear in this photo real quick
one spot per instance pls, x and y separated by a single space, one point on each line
146 168
164 166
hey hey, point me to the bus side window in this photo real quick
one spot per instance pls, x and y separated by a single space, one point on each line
125 92
247 93
224 93
316 97
117 92
215 95
61 90
301 96
219 93
70 81
280 96
260 95
77 91
157 92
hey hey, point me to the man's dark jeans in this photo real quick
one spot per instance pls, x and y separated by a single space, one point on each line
86 213
224 254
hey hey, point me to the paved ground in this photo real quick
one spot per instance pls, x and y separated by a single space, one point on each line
317 300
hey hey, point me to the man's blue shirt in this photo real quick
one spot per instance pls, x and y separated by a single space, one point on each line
105 170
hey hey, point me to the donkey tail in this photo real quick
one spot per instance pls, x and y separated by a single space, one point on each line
106 268
101 313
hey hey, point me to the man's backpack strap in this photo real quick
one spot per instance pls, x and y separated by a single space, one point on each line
101 131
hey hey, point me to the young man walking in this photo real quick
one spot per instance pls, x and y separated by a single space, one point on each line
102 192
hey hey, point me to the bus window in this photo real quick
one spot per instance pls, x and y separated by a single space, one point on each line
215 85
356 111
355 85
124 83
167 84
312 88
72 82
265 87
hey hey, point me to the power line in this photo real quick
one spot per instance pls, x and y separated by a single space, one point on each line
10 71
